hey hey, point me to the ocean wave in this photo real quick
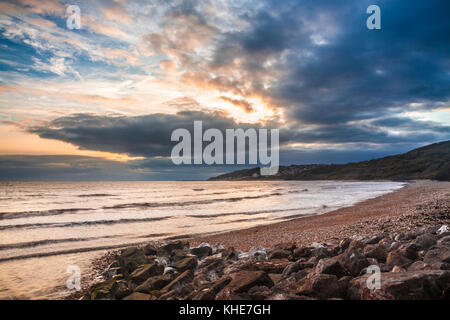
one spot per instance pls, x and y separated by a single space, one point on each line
81 223
200 216
31 244
187 203
40 213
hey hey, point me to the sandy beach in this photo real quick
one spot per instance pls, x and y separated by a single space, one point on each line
419 203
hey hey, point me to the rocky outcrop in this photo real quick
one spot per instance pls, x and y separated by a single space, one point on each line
411 265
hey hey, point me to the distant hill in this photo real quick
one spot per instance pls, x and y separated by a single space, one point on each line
429 162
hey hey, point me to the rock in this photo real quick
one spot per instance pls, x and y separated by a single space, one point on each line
343 245
419 265
212 263
259 293
129 259
218 248
272 266
109 273
426 240
398 258
304 252
356 244
437 256
103 290
173 245
150 250
184 278
295 267
321 253
146 271
330 266
411 285
321 286
245 280
209 291
443 229
188 263
444 240
170 270
154 283
230 254
238 266
122 289
202 251
376 252
255 253
374 239
179 254
138 296
412 250
353 261
279 254
398 269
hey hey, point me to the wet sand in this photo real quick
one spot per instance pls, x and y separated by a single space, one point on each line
419 203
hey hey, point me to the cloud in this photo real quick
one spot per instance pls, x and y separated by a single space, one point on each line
245 105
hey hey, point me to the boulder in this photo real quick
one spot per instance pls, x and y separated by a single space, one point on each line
374 239
419 265
145 271
344 243
412 250
353 261
398 258
138 296
238 266
104 290
375 251
184 278
245 280
410 285
210 290
122 289
150 250
154 283
202 251
129 259
330 266
279 254
304 252
437 256
272 266
170 246
188 263
295 267
321 286
230 254
426 240
212 263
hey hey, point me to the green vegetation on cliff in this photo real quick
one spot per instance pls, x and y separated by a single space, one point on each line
429 162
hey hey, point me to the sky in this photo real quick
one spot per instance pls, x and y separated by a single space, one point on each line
100 102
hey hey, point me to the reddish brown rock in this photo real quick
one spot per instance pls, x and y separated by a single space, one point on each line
272 266
321 286
245 280
411 285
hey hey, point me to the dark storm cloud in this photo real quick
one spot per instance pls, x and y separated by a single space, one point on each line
147 136
354 73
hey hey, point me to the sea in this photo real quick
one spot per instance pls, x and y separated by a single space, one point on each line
46 228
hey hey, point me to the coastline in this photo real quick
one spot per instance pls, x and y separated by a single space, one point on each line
417 197
417 204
